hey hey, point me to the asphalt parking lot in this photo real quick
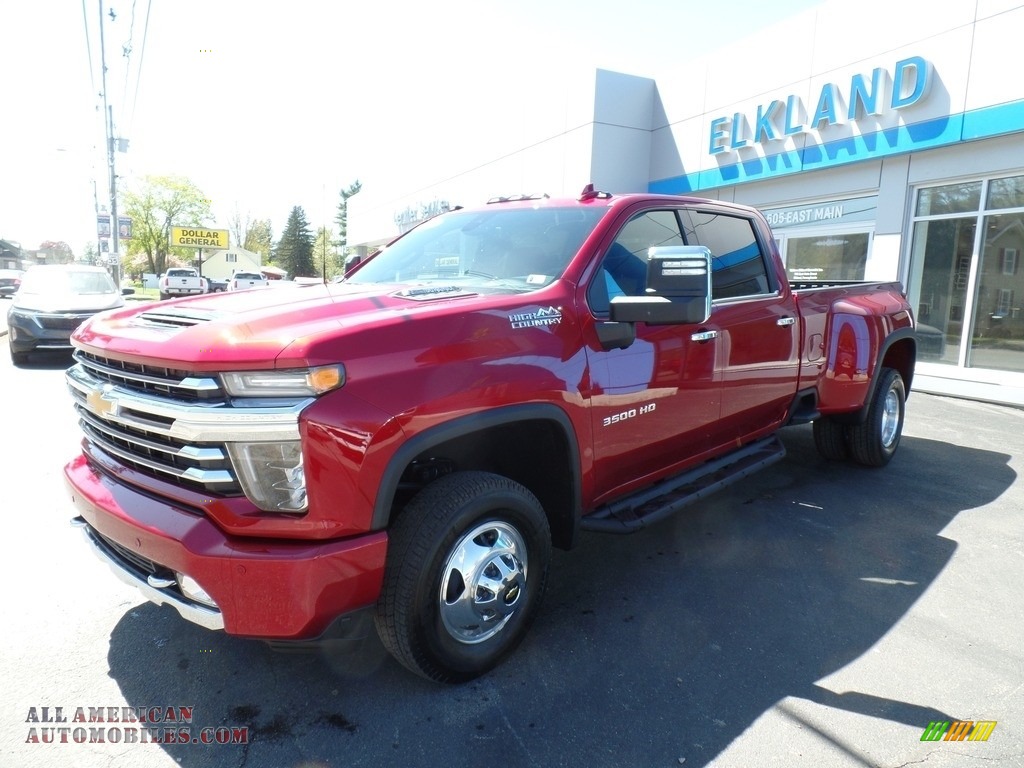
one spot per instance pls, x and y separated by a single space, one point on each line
816 615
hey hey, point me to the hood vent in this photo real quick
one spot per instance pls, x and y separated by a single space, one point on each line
173 318
427 292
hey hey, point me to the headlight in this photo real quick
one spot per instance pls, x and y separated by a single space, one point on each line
25 315
271 474
303 382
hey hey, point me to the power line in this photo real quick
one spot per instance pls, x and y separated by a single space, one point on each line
138 74
126 51
88 48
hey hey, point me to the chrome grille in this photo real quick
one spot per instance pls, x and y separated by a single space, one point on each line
167 382
202 467
169 424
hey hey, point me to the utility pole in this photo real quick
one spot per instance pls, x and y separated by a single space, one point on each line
108 121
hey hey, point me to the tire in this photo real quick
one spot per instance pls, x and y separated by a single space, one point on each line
466 571
874 442
18 358
830 439
164 296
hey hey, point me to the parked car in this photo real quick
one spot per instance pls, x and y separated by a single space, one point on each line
10 279
218 286
52 301
240 281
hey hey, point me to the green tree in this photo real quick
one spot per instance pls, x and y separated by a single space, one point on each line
325 253
342 218
259 238
158 203
89 254
294 252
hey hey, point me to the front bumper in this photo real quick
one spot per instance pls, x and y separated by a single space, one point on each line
42 330
270 589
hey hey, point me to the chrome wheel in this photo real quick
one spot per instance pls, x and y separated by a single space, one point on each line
891 414
873 441
483 582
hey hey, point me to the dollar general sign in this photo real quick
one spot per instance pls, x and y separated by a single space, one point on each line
197 237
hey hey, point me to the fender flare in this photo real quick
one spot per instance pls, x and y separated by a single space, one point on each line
466 425
899 335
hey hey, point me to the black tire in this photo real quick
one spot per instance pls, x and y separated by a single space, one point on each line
164 296
431 619
874 442
18 358
830 439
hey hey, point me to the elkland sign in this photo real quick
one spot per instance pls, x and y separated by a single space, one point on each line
788 116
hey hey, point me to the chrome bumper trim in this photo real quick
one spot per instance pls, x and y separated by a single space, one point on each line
197 614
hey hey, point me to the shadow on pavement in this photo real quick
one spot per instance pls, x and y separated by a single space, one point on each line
667 643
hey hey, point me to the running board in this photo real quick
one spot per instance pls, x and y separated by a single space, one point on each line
652 504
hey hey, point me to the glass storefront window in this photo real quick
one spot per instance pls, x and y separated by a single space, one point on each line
1006 193
997 335
943 249
827 257
951 198
966 279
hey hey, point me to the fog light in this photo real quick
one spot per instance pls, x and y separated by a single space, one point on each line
190 588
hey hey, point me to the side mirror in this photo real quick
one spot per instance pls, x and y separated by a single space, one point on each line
127 291
678 289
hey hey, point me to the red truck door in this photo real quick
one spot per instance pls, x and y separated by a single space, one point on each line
754 317
655 403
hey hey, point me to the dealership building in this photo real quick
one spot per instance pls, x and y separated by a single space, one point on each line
886 144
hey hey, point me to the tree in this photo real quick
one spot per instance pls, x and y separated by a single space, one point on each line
294 252
89 254
157 204
55 252
259 238
342 217
325 253
238 227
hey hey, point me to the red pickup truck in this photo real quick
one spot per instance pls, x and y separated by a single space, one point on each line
404 448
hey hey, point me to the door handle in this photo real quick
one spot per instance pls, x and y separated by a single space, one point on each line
785 321
703 336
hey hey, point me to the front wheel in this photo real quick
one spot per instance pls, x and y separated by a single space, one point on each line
467 565
873 442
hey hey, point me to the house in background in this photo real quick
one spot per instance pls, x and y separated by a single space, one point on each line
11 255
221 265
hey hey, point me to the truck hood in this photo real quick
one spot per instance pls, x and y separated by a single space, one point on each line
256 329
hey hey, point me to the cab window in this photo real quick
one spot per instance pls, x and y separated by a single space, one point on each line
738 265
624 266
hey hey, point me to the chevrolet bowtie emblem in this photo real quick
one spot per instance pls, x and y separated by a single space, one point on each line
102 402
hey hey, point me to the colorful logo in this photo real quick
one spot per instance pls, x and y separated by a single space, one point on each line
958 730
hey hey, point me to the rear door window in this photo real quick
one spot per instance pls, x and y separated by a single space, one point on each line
738 264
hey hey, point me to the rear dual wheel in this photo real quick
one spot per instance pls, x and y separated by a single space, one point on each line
874 441
467 566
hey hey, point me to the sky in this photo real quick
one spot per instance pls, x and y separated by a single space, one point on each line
265 106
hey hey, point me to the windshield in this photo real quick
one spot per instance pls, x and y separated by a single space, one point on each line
66 281
506 249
